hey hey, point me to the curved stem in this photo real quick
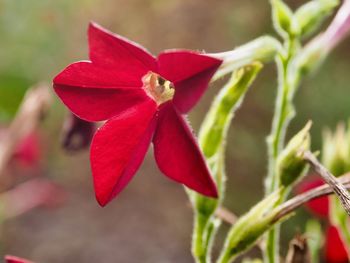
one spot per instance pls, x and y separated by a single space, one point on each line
284 112
262 49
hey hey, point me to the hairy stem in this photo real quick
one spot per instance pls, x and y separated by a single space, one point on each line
284 112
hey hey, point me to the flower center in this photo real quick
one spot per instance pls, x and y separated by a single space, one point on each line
158 88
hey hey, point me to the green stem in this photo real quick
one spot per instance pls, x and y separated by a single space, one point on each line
284 112
212 140
199 248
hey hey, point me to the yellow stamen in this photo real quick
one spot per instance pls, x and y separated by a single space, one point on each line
158 88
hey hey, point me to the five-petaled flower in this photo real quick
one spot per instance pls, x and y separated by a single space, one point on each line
143 99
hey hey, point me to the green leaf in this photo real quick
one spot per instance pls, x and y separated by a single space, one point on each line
290 164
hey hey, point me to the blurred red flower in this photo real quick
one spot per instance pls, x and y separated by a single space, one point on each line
319 206
28 150
335 249
13 259
143 99
31 194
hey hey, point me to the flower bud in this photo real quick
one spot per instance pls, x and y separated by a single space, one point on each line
310 16
250 227
77 133
318 48
214 129
290 163
311 57
282 18
335 152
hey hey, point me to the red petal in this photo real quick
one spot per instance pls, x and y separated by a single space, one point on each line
13 259
178 155
111 50
95 94
335 248
319 206
190 72
119 147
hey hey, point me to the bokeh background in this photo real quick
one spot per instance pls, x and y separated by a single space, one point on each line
151 220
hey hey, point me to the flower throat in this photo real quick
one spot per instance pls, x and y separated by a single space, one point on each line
158 88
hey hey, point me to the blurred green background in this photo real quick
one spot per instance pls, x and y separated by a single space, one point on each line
151 220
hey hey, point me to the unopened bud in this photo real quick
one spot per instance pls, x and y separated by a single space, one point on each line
312 56
318 48
310 16
291 164
335 153
282 18
77 133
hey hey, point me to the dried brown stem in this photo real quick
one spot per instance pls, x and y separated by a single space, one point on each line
330 179
292 204
35 102
297 201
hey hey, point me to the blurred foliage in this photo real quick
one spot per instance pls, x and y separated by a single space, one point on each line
31 45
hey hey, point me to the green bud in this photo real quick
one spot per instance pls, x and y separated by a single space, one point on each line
250 227
282 18
214 128
335 152
290 163
310 16
311 56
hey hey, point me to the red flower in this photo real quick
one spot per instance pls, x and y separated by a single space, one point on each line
334 247
28 150
13 259
319 206
144 99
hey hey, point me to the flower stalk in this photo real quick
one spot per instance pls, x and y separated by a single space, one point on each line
284 112
263 49
212 140
291 66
